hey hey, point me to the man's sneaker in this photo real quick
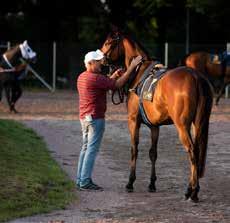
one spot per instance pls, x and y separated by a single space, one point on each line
91 187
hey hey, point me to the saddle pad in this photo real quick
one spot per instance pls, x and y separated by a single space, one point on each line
222 58
148 87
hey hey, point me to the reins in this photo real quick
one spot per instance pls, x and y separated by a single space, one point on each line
122 92
121 96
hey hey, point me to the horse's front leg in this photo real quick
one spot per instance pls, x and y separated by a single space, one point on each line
16 93
134 126
153 157
7 89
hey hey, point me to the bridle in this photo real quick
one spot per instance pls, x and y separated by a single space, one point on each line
115 42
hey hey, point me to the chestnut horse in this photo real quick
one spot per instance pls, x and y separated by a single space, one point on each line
181 97
12 70
217 71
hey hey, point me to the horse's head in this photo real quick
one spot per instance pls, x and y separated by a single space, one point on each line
113 49
22 51
27 53
120 49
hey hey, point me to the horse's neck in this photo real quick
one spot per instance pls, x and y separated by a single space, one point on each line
13 56
131 51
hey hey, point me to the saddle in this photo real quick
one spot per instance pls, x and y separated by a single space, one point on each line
145 88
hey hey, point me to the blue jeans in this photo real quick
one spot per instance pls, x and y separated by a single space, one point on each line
92 132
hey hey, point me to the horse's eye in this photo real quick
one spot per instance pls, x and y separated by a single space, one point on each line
28 50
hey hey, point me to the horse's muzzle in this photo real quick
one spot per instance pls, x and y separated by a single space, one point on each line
33 60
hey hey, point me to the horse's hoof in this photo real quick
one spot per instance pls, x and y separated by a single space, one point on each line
13 110
151 189
129 189
193 200
188 193
186 197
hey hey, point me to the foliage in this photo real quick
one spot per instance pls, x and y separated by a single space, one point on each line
151 20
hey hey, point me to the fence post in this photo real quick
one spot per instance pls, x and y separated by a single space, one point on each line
187 30
166 54
54 66
228 53
8 45
228 48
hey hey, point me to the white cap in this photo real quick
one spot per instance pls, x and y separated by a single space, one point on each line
93 55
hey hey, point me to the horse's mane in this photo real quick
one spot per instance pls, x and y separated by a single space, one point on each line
134 42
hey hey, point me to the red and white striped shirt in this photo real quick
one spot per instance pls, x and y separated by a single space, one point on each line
92 90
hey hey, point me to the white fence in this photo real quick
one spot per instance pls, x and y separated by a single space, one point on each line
52 86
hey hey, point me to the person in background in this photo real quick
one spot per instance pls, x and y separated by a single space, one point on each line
92 87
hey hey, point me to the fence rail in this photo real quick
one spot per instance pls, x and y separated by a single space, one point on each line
60 63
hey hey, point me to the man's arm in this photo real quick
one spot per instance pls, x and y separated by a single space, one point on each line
125 76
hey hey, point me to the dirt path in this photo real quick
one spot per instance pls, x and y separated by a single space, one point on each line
54 117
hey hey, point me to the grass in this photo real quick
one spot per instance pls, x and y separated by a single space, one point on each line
31 182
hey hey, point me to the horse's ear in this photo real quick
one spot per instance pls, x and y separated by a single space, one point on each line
114 28
116 32
25 43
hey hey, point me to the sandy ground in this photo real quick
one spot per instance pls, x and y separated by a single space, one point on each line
54 116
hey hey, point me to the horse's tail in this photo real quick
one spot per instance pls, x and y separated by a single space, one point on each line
201 124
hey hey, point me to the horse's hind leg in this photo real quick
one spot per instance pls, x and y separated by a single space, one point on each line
134 127
186 139
16 94
153 157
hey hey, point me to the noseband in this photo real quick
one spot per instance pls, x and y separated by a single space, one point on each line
114 43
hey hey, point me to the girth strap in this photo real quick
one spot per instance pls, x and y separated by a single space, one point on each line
143 115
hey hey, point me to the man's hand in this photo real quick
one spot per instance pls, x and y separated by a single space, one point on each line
122 79
137 60
117 73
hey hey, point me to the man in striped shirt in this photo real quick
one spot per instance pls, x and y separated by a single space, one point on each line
92 87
